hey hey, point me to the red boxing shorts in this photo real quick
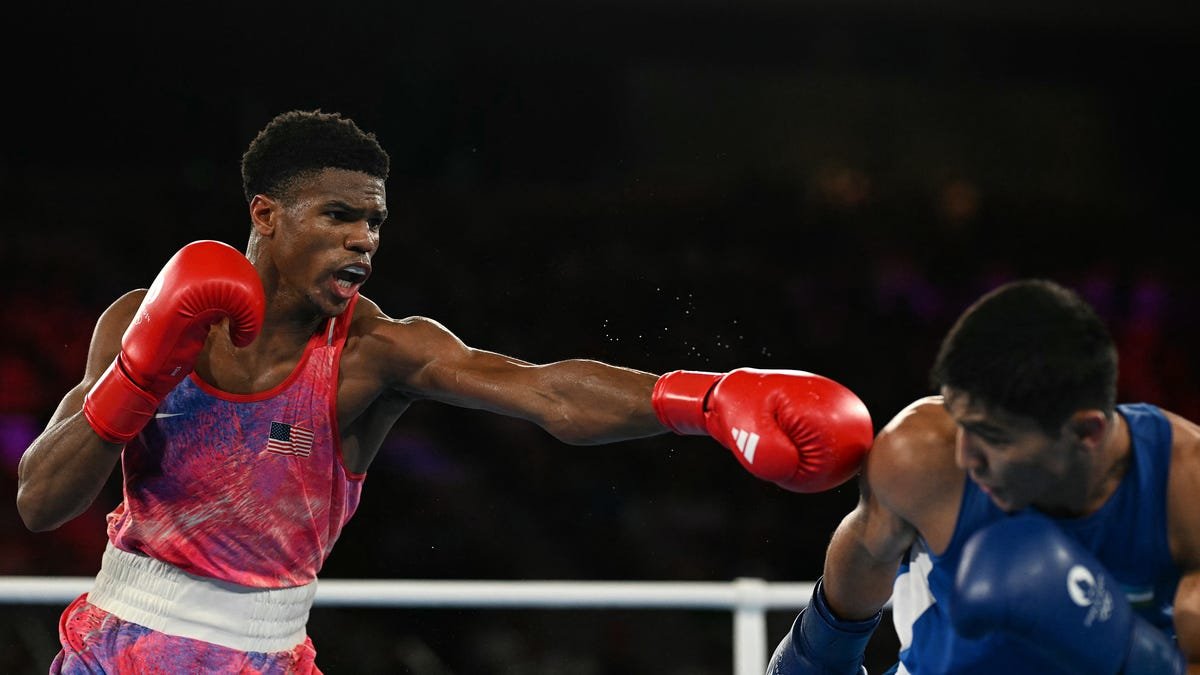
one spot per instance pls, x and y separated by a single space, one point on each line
96 641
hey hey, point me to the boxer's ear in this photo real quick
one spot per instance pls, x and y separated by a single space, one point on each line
263 212
1089 427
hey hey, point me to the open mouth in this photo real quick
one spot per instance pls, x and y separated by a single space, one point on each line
351 276
348 279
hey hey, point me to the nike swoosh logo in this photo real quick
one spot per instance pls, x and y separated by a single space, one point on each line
159 416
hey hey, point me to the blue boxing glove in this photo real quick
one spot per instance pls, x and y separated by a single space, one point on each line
822 644
1025 577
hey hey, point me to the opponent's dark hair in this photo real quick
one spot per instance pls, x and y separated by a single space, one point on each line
1033 348
300 142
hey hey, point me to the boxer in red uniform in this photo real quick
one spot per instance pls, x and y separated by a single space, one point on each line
245 395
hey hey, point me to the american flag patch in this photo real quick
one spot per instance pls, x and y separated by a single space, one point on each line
286 439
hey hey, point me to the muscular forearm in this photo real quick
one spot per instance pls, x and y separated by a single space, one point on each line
858 582
598 403
858 591
829 638
62 472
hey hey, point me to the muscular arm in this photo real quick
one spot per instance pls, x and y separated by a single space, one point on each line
67 465
1187 619
578 401
1184 533
903 492
863 557
909 486
799 430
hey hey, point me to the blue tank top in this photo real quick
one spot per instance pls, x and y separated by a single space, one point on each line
1128 535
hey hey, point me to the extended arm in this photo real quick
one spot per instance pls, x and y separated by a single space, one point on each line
578 401
802 431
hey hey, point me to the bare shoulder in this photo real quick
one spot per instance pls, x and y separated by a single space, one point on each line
372 324
1183 485
1185 445
398 347
1185 433
911 466
110 327
120 312
919 439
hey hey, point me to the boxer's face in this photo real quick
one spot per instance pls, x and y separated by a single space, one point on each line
324 234
1011 457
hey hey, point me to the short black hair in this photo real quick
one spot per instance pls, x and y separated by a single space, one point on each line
1034 348
300 142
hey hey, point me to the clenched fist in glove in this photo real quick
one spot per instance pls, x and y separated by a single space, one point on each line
803 432
203 284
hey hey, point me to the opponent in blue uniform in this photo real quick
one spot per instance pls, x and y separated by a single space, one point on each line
1021 521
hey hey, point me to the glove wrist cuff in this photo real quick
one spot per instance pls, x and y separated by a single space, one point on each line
679 399
836 643
116 408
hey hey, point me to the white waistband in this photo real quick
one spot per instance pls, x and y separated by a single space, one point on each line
164 598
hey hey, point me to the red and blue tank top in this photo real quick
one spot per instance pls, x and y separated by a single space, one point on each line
247 488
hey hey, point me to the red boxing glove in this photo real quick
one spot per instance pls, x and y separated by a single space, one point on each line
803 432
205 282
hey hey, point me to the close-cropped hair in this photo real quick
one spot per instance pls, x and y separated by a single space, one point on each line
1033 348
301 142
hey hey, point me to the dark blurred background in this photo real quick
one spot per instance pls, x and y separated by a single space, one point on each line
660 184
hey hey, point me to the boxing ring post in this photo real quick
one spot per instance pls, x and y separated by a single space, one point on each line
748 599
750 626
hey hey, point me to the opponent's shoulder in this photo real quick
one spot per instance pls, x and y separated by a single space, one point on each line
912 460
920 436
1185 444
1184 432
1182 487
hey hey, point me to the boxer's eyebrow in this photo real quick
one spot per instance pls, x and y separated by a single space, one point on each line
355 212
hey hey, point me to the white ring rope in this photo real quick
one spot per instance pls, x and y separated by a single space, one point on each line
747 598
741 593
